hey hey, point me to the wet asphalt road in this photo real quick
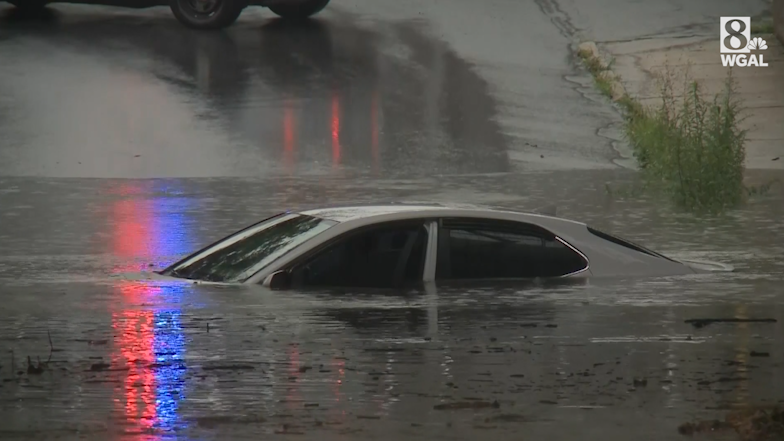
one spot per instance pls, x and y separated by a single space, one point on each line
193 135
347 93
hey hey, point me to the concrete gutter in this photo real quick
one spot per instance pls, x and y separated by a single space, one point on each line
777 9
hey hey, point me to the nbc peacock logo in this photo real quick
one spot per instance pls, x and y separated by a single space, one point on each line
758 44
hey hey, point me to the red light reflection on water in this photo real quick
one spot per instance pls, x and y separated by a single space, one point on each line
335 130
134 339
133 228
293 397
288 134
336 126
338 414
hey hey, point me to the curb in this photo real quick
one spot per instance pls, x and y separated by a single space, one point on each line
589 50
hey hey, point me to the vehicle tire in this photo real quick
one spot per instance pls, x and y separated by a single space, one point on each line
207 14
296 10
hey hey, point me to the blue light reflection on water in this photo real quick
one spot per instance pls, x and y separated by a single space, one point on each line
172 237
151 223
170 346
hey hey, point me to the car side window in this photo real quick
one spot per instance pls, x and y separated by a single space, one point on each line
486 249
382 257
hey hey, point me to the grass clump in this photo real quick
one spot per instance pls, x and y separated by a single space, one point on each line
691 146
602 75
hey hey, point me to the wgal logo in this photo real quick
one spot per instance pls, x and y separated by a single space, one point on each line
737 44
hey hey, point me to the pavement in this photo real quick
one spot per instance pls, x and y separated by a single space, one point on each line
640 63
408 97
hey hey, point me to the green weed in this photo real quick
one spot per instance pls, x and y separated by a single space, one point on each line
690 146
601 73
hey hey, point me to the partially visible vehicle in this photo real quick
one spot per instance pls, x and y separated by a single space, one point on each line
198 14
394 245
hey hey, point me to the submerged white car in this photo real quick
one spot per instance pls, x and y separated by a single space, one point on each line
394 245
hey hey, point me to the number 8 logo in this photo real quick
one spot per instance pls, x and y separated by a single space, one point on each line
737 34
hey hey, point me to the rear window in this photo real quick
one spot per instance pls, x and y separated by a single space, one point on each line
625 243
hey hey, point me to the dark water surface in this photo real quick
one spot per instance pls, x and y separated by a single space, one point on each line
154 360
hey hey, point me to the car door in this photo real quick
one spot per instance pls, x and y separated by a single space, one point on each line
387 255
474 249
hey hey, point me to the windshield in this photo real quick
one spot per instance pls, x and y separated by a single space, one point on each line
239 256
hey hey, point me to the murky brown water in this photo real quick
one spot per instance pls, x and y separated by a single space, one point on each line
175 360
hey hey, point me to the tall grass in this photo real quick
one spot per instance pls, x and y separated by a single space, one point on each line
690 146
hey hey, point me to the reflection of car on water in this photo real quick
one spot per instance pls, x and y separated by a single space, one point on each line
393 245
199 14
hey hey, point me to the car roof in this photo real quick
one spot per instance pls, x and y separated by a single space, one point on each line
348 213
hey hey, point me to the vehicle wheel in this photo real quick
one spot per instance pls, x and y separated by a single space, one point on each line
207 14
298 9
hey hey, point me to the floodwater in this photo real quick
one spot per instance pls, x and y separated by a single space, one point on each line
199 362
128 142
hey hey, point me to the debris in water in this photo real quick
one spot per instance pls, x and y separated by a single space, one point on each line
702 427
507 418
286 430
730 379
701 323
34 369
759 423
96 367
759 354
51 347
228 367
211 422
459 405
483 427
